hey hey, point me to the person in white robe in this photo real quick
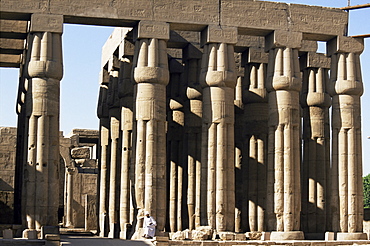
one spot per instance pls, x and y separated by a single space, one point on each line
149 225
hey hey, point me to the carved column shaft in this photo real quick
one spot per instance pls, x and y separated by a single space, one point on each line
218 79
151 75
255 132
315 102
44 70
284 85
193 126
347 88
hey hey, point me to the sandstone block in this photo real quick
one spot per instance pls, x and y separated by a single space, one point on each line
217 34
281 38
329 236
290 235
351 236
191 52
226 236
342 44
312 59
80 153
240 237
150 29
30 234
8 234
254 235
202 233
255 55
46 23
52 237
308 46
53 230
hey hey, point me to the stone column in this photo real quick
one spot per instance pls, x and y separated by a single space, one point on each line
125 93
315 101
104 156
255 134
151 75
70 171
283 169
193 125
115 153
347 88
175 145
218 79
44 69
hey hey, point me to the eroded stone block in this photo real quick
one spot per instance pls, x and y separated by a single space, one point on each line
280 38
342 44
46 23
150 29
218 34
80 153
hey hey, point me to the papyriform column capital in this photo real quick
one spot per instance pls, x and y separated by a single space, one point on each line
218 62
151 63
345 72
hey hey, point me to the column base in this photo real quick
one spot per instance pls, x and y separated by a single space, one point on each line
344 236
30 234
289 235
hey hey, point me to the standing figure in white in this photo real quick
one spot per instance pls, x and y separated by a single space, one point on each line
149 225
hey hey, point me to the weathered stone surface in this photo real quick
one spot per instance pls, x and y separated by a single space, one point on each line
217 34
46 23
81 153
202 233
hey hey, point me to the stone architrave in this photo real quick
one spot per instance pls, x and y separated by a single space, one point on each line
103 115
346 174
315 102
151 74
283 168
44 70
193 129
218 79
175 145
255 135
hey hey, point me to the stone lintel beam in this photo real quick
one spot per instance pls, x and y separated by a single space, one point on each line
219 34
13 29
175 66
152 29
191 52
308 46
46 23
8 60
11 46
254 55
279 38
313 59
245 41
126 49
342 44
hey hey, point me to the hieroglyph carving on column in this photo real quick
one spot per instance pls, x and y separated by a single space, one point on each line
151 74
347 88
283 168
44 69
218 79
315 101
255 132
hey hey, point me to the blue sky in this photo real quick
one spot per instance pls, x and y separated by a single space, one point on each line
82 53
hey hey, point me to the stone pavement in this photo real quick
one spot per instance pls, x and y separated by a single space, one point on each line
97 241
